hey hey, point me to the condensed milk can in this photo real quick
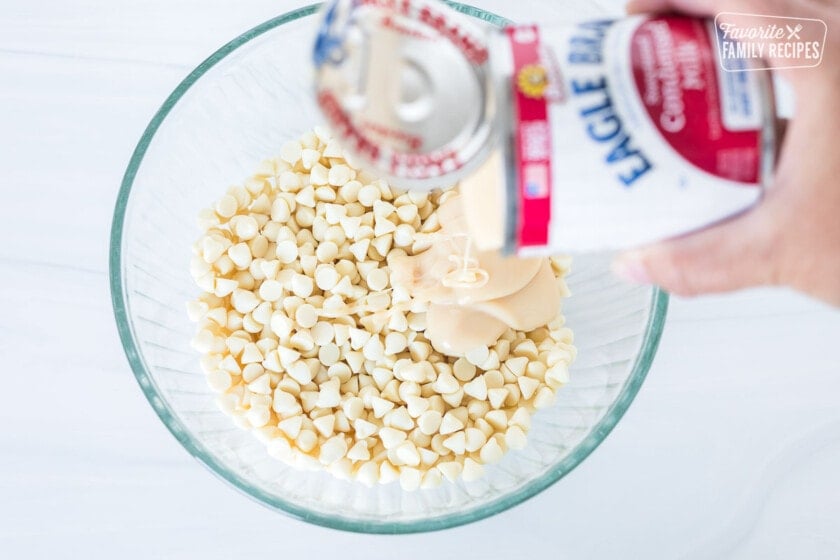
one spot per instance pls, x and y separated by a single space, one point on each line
596 136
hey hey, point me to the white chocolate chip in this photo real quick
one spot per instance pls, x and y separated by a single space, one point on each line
373 349
306 316
271 290
463 369
290 152
258 416
226 206
364 429
306 440
326 277
410 479
327 252
515 438
353 408
407 213
382 376
400 419
377 280
478 355
309 158
456 443
286 251
431 479
332 450
446 384
251 372
383 227
388 473
225 287
450 424
516 365
451 470
491 452
526 348
527 386
358 338
325 424
368 474
381 406
219 380
497 397
302 286
329 354
472 470
454 399
332 149
288 356
291 426
244 301
322 333
474 439
397 322
329 396
556 376
299 371
246 228
308 400
497 419
477 388
261 385
403 235
543 398
359 452
416 406
319 175
340 175
391 437
369 194
407 453
521 418
251 354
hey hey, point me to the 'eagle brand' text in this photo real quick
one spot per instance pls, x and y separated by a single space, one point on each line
603 125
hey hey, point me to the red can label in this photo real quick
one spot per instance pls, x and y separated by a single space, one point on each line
532 136
675 69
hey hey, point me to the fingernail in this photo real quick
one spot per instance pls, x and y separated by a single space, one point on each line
631 269
632 6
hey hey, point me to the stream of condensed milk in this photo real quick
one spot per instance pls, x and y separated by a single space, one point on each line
474 295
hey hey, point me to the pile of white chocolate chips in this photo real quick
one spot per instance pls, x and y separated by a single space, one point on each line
310 346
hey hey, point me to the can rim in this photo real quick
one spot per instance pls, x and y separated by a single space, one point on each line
500 58
466 154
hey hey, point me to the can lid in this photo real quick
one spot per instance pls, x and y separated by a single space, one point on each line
406 85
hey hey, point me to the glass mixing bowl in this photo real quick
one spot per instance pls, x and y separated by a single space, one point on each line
230 113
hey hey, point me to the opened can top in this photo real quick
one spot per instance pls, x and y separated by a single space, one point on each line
436 120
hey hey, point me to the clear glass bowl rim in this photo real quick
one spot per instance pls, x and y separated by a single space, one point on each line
644 359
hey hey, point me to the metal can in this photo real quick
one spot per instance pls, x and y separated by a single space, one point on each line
612 133
404 83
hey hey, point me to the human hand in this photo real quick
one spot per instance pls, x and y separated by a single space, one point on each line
792 237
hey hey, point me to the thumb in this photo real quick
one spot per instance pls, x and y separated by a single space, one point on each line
734 254
710 7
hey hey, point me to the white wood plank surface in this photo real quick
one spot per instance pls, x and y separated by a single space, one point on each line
731 449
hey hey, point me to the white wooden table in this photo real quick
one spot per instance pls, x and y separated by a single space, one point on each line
731 450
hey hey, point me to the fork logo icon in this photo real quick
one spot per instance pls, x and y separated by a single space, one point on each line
793 32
